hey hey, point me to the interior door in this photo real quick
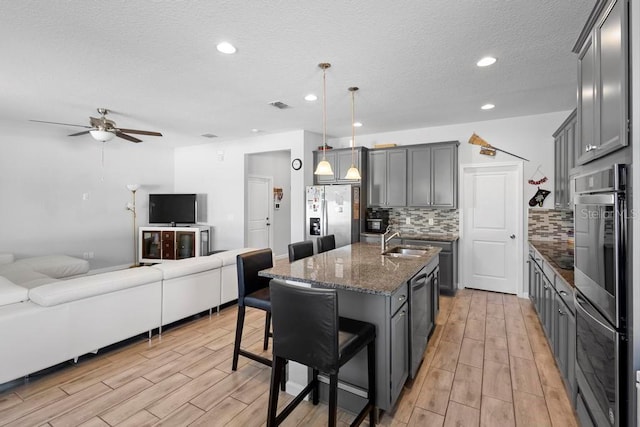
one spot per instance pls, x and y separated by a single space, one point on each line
491 235
259 212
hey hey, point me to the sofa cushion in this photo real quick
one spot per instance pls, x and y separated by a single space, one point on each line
57 266
10 293
89 286
229 257
184 267
23 276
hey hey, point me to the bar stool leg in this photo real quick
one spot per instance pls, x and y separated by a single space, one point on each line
236 345
316 387
333 400
267 327
371 366
276 373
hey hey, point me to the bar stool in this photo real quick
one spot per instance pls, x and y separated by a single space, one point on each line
307 330
300 250
326 243
253 291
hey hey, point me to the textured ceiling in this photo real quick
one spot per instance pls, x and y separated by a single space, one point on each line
154 63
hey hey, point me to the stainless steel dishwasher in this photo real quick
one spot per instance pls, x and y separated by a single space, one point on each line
419 296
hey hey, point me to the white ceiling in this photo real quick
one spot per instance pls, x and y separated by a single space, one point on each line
154 63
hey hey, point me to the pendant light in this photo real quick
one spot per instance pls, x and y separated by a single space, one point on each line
324 167
353 173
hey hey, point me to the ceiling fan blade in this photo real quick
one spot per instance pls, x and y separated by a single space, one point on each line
140 132
84 132
63 124
127 137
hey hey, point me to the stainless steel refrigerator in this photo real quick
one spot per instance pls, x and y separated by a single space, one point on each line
333 209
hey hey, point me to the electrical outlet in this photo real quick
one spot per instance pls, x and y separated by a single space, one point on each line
408 221
85 196
430 221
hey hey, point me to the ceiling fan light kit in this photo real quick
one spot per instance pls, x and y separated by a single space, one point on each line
102 135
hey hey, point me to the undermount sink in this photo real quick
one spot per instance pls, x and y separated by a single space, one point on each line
399 252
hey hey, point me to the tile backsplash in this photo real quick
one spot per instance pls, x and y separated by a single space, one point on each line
550 224
445 221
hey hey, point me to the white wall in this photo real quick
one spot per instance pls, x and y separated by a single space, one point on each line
277 165
218 169
44 175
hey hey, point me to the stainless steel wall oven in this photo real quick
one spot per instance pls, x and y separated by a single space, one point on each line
600 216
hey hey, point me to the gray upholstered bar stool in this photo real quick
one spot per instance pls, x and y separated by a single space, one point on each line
307 330
300 250
326 243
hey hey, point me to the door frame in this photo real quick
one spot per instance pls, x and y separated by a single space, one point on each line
269 180
519 169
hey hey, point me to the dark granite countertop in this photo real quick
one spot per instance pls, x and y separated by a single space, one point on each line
559 255
358 267
435 237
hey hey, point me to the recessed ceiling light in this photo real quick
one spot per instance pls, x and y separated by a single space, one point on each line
226 47
254 130
311 97
357 124
487 106
486 61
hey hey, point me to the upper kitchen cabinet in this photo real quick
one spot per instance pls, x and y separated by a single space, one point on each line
424 175
433 175
387 175
602 112
564 160
340 160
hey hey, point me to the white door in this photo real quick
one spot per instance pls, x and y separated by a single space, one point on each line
491 227
259 194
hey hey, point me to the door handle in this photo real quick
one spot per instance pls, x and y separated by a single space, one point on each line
513 236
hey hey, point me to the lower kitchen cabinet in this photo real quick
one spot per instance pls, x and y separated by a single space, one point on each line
399 334
553 300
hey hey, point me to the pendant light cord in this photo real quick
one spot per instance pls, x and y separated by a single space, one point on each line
353 128
324 113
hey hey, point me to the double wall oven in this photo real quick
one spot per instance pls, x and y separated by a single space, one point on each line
600 217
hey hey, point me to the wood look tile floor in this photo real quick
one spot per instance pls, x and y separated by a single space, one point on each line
487 364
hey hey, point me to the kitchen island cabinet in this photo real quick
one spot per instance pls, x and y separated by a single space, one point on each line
372 288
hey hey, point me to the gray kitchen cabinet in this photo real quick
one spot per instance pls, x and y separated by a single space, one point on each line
387 177
419 176
448 263
564 161
399 333
340 160
603 81
432 178
444 175
553 300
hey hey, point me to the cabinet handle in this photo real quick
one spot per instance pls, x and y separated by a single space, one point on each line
563 293
561 312
546 286
402 297
403 313
590 147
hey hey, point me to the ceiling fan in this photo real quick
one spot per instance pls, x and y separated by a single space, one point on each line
103 129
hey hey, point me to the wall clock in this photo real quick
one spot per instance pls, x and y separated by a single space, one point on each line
296 164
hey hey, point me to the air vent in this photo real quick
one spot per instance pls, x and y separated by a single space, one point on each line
209 135
279 104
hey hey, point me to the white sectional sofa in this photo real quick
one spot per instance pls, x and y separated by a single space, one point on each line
49 319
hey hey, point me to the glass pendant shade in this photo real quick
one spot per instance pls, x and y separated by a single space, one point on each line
353 173
324 167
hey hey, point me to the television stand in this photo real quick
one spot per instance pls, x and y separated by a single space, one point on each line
157 244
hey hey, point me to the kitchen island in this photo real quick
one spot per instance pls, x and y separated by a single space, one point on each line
373 288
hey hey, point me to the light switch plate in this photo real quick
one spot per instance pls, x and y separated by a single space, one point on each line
408 221
430 221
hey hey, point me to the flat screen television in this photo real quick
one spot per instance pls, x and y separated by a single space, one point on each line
173 209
